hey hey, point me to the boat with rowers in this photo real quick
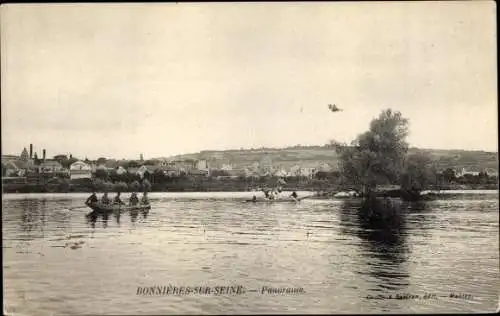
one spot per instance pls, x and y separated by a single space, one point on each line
276 200
102 208
104 205
272 197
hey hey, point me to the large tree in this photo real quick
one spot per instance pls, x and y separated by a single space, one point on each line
377 156
419 172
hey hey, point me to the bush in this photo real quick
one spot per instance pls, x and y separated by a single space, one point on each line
64 185
120 186
135 186
146 185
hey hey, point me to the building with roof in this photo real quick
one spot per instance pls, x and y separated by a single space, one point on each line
50 166
24 155
120 170
80 170
472 171
491 172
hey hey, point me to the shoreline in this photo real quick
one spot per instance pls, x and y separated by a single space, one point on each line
246 192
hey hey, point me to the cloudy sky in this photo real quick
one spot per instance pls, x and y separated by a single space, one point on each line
161 79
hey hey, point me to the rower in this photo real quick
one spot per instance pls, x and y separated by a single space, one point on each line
134 200
105 199
271 196
144 199
117 199
266 192
254 199
92 199
294 195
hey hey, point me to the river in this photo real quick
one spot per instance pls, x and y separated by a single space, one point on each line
58 261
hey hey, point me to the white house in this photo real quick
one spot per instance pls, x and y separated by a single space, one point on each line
226 167
307 172
143 169
491 172
294 171
280 173
323 167
201 164
80 170
120 170
471 171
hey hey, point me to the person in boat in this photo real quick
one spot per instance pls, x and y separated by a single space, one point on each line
92 199
272 195
294 195
254 199
276 193
266 192
117 199
134 200
144 199
105 199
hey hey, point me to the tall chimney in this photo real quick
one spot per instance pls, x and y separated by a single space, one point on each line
31 151
43 154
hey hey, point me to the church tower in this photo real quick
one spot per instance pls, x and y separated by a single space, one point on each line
24 155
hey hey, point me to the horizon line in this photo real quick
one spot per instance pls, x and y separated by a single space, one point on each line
263 148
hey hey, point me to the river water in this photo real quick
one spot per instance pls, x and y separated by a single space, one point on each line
58 261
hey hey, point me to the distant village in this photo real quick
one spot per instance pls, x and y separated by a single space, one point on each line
32 167
29 163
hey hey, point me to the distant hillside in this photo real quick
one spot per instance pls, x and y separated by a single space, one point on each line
312 155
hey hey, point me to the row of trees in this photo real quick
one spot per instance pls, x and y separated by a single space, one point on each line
121 186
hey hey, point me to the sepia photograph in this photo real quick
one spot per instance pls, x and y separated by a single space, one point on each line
249 158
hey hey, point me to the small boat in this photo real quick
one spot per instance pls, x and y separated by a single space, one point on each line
271 201
98 207
278 200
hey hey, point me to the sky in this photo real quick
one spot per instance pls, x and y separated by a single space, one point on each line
116 80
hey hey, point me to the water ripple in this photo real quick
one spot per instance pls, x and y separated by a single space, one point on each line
58 261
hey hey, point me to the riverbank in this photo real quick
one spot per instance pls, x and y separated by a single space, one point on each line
326 191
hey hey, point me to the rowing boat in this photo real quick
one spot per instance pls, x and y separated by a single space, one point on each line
277 200
98 207
272 201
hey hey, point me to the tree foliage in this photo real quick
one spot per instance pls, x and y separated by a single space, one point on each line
376 156
146 185
449 175
120 186
66 163
135 186
419 172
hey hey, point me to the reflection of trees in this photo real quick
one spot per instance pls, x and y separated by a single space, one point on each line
32 217
384 226
383 229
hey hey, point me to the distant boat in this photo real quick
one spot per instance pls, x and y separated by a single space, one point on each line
288 200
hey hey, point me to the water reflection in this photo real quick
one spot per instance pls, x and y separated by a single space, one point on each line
133 215
33 218
383 230
93 216
228 240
